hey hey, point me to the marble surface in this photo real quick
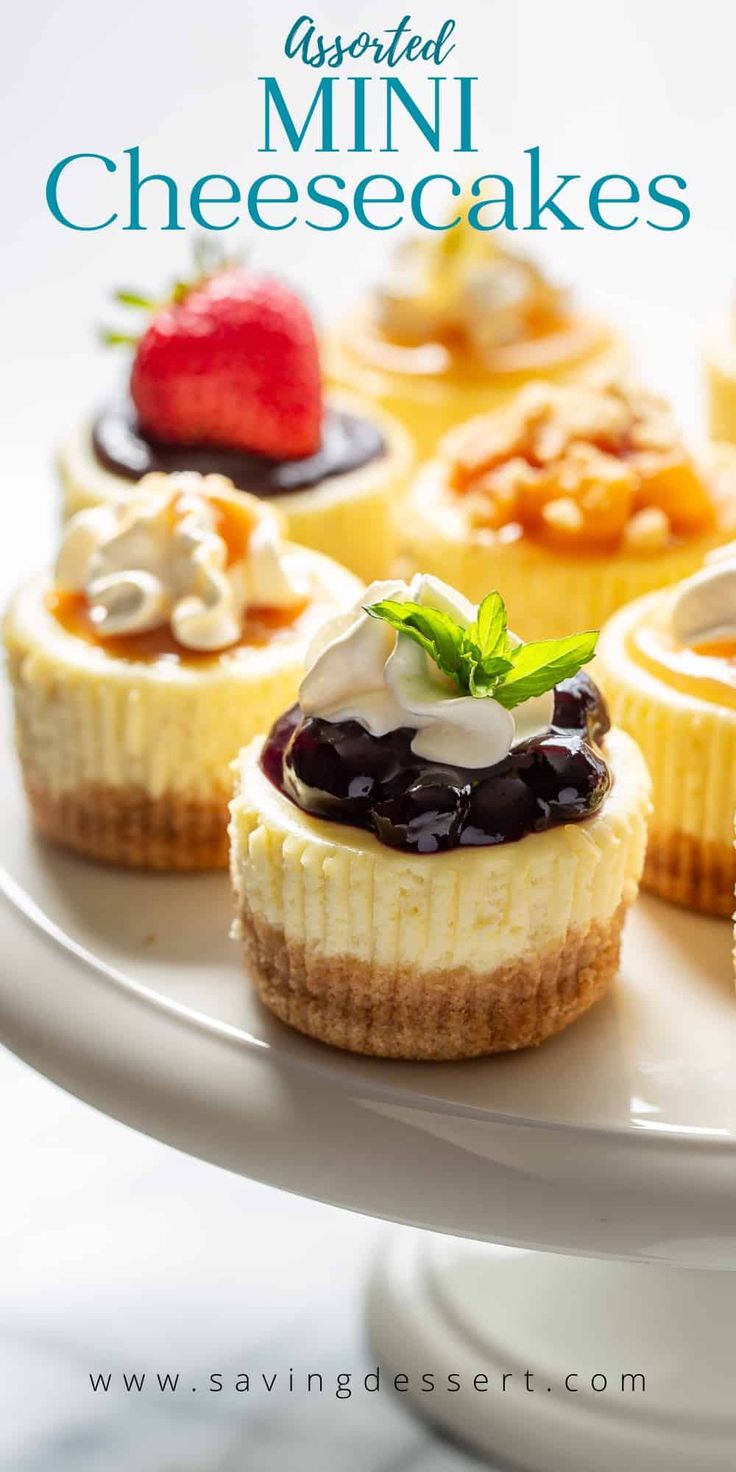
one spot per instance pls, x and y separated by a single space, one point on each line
120 1254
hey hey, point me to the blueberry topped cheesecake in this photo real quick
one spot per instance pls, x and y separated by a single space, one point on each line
433 851
226 379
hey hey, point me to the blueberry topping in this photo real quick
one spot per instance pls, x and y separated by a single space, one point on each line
338 771
579 706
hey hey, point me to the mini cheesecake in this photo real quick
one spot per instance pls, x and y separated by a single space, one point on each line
173 628
340 501
721 382
667 664
575 499
458 327
418 872
226 379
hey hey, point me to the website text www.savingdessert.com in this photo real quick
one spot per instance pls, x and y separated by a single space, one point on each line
343 1385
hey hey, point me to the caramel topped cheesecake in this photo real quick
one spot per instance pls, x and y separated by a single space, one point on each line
433 851
668 666
173 627
576 499
460 323
721 381
226 379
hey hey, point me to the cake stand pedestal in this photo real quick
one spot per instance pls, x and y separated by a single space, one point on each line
580 1365
608 1155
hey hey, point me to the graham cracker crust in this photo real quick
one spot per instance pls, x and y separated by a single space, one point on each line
689 872
128 827
440 1014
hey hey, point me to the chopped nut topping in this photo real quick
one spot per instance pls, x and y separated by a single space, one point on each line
563 515
578 464
648 530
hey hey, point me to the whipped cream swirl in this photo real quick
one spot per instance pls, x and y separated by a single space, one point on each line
157 558
704 608
464 284
359 669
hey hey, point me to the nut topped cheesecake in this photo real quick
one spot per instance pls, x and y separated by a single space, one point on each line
173 627
433 851
575 499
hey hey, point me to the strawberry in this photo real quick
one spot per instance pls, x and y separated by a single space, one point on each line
232 362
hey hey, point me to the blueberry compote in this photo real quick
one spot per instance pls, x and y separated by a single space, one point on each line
337 770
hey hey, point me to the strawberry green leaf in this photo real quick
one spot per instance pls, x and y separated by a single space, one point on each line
135 299
112 339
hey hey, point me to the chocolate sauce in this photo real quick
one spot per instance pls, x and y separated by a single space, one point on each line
348 443
338 771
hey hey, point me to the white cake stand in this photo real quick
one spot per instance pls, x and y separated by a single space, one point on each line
608 1156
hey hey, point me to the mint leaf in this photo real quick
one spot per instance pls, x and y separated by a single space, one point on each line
490 631
482 681
480 659
488 646
437 633
541 665
484 675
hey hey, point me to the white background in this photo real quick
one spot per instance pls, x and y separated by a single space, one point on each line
644 87
113 1247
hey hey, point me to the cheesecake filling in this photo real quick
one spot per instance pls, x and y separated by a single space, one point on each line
349 443
422 719
688 637
181 555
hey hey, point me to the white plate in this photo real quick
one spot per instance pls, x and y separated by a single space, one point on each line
657 1055
616 1138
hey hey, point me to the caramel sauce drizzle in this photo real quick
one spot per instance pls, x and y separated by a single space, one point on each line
261 626
705 671
234 523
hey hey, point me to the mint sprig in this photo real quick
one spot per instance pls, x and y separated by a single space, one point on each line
481 659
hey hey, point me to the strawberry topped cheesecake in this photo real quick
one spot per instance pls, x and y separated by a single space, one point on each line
226 380
433 851
173 627
461 322
574 498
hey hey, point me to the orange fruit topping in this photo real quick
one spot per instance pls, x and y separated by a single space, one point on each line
581 468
